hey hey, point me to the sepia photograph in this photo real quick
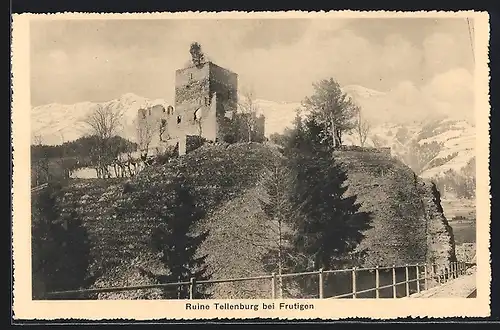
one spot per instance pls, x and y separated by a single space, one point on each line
217 160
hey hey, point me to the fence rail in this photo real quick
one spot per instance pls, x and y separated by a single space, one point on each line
39 188
424 273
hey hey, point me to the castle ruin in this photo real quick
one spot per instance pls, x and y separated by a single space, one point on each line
206 102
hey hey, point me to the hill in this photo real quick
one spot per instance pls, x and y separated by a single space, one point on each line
406 209
228 183
114 214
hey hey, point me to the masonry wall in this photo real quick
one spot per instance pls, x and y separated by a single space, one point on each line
149 132
225 84
203 96
206 91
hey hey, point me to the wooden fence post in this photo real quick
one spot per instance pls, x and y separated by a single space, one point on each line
417 269
426 283
394 293
273 286
435 275
377 283
192 285
321 283
407 276
354 283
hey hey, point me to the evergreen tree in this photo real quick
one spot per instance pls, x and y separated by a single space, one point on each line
60 247
176 240
42 242
333 109
197 56
330 225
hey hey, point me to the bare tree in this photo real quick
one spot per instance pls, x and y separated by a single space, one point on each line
146 130
247 109
362 127
37 139
39 167
277 181
104 122
62 162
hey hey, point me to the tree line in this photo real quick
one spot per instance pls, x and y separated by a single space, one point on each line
102 148
51 163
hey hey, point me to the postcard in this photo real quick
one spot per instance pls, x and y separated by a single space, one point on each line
234 165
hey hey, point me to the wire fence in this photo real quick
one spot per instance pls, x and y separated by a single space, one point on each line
377 282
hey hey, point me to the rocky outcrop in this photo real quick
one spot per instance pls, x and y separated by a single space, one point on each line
440 241
408 223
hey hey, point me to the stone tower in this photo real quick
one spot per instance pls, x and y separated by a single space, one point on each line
205 96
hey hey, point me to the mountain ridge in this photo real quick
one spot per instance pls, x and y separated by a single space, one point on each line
55 123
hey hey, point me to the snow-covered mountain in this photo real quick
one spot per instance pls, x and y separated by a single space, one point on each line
429 143
430 147
55 123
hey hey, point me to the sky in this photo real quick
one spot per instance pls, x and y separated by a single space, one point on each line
98 60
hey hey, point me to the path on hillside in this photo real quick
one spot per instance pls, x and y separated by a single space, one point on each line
462 287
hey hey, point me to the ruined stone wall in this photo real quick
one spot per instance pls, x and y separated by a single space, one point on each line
224 85
203 94
192 101
149 131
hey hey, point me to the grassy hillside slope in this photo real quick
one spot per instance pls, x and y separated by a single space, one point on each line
113 211
387 188
228 184
406 211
